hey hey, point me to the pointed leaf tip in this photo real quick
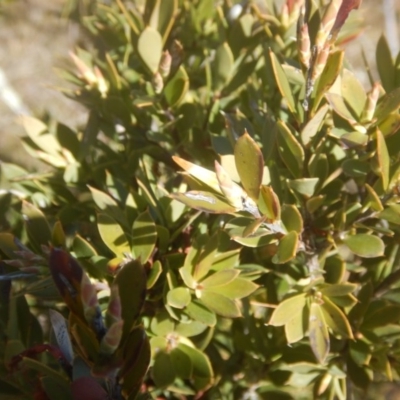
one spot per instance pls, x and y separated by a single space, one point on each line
250 165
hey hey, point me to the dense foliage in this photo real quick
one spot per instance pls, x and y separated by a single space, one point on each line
227 223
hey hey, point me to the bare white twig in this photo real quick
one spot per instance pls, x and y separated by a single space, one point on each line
10 97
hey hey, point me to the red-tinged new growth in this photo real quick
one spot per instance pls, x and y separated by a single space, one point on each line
164 67
327 23
232 191
91 309
67 276
112 338
38 349
370 104
346 7
334 17
76 289
114 310
303 40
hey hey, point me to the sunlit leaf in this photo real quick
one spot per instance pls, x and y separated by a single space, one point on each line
250 165
290 150
364 245
113 235
287 248
336 319
318 333
220 304
287 310
204 201
149 48
178 297
282 82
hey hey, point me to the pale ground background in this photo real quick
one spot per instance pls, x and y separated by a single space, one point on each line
34 41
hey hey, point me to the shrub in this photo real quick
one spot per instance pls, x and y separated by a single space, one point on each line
227 223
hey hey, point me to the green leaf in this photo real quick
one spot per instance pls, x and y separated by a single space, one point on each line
233 193
314 203
45 370
39 134
291 218
354 139
250 165
177 87
337 290
389 103
222 66
57 235
391 214
296 328
335 319
181 363
220 304
203 263
290 150
385 64
313 125
268 203
304 186
163 16
328 76
383 159
359 375
193 328
390 125
201 366
205 176
353 93
282 82
37 226
178 297
149 47
107 204
204 201
380 314
144 235
318 333
136 361
131 281
364 245
287 248
238 227
338 104
82 248
199 312
237 289
8 244
355 168
162 324
154 274
163 371
220 278
288 309
373 199
113 235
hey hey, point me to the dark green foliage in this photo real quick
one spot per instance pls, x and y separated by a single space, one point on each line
225 226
